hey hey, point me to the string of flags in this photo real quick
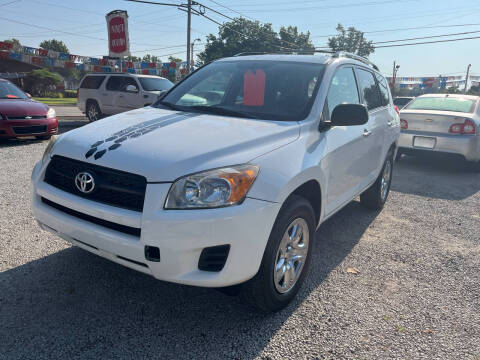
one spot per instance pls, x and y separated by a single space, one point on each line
428 82
50 58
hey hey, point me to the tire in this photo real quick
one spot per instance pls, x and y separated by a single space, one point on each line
93 111
473 166
264 291
43 137
398 156
376 195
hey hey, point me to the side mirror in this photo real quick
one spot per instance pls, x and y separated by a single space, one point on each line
131 88
28 95
161 94
349 115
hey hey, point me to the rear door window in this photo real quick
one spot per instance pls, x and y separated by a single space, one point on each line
92 82
384 92
369 89
115 83
343 89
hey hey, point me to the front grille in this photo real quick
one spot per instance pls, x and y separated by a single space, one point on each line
26 117
112 187
36 129
108 224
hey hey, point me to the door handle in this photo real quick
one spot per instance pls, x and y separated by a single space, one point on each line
366 133
390 123
120 95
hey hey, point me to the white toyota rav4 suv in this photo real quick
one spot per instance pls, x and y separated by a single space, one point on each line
224 181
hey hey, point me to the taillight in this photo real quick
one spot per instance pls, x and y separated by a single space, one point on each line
396 109
467 127
403 124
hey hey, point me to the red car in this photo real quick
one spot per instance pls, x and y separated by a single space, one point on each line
20 116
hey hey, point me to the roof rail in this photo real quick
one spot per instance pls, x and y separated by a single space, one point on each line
356 57
286 52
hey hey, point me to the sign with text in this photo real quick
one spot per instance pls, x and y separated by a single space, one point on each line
117 24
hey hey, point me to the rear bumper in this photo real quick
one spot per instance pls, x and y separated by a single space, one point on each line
466 145
23 128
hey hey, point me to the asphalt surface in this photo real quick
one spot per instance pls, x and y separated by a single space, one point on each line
416 296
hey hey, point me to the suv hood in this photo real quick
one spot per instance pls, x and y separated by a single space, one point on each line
164 145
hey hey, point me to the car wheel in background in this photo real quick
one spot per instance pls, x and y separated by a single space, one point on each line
376 195
93 111
43 137
286 258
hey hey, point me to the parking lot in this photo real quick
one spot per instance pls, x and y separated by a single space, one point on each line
416 294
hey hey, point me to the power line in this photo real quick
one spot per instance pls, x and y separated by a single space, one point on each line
401 29
427 37
428 42
11 2
232 10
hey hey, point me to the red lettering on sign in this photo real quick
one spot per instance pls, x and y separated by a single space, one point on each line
254 88
118 37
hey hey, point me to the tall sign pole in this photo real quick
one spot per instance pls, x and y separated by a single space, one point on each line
189 25
466 79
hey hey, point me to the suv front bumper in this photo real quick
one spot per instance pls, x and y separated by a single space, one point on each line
181 235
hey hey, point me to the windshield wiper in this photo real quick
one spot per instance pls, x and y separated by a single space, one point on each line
221 111
171 106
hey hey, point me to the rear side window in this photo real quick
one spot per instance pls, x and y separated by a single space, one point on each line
92 82
384 92
369 89
443 104
343 89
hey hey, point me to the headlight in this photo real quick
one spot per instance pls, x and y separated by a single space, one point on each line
51 113
211 189
49 147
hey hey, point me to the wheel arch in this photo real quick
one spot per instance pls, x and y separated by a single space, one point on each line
312 192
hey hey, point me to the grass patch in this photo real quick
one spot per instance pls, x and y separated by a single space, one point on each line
57 101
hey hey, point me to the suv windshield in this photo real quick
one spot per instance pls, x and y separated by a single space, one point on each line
155 84
443 104
273 90
10 91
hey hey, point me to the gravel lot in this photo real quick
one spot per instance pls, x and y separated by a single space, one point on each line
417 295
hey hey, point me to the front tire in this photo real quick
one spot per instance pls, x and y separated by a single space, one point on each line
286 259
93 111
376 195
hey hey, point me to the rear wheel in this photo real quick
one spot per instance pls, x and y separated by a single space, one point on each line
93 111
376 195
286 259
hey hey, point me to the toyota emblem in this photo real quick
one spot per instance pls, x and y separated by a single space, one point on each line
84 182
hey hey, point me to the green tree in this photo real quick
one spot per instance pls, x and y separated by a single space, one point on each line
133 58
175 59
151 58
41 81
351 40
13 41
474 90
242 35
55 45
290 38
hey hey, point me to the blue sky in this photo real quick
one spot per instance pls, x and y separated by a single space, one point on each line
157 27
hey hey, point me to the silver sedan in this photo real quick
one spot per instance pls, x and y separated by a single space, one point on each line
442 123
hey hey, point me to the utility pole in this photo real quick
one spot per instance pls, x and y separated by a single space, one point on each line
192 62
189 25
394 76
466 79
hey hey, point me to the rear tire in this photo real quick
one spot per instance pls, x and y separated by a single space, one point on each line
93 111
376 195
286 258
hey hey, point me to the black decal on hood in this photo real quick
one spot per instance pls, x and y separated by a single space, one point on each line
134 132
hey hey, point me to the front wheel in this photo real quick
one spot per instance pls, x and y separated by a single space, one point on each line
376 195
286 259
